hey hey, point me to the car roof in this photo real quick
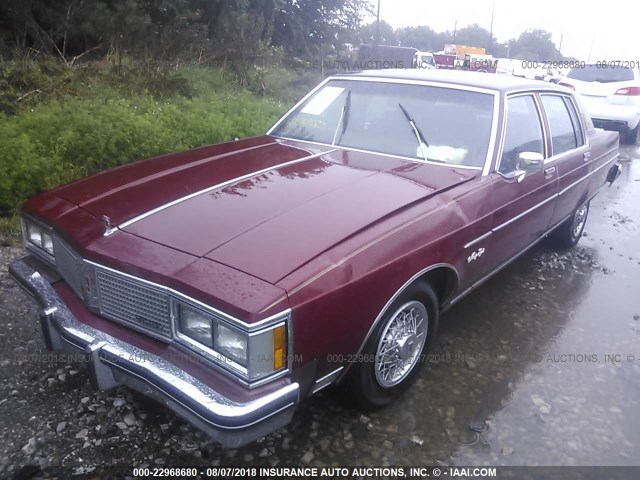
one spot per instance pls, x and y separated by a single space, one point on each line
490 81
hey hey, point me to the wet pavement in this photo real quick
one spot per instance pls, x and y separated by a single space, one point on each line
575 401
539 366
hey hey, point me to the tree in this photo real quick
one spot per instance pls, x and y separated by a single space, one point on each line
534 45
475 36
423 38
303 26
367 34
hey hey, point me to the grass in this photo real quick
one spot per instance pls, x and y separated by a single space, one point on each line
57 125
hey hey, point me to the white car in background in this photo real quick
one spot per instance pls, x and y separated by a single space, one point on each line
424 60
508 66
611 96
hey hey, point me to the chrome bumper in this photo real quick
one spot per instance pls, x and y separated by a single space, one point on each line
113 362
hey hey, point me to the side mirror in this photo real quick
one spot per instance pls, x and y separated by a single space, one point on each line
530 161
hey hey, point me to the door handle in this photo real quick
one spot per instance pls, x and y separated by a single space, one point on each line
548 172
586 156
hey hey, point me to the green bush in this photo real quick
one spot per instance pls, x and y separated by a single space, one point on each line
99 121
289 86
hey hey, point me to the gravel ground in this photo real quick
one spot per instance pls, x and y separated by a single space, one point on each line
490 393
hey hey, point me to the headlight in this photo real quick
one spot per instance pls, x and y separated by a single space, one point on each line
196 326
251 354
34 234
47 243
38 238
231 343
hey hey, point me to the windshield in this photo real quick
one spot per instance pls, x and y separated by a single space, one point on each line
597 73
455 123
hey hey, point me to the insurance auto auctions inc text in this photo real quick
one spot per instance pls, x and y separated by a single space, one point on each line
377 472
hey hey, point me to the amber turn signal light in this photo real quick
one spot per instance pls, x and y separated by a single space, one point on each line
279 348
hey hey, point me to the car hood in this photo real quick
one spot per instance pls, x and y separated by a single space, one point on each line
263 206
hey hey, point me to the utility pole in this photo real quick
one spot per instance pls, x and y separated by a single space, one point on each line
455 29
591 48
560 47
378 26
493 9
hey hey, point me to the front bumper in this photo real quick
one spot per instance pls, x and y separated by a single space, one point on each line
113 362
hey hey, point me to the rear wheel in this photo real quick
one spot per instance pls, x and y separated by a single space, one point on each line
568 234
395 350
631 137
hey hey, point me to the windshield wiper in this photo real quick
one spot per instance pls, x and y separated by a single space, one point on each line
344 119
416 130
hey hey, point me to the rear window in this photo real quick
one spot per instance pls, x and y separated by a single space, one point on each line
598 73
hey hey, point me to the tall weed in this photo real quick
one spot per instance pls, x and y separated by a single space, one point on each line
100 121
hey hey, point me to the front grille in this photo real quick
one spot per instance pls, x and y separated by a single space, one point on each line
134 302
115 295
69 265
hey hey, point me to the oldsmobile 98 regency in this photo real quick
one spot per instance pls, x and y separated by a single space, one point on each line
232 281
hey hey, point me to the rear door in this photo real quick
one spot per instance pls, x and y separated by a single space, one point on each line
570 154
522 209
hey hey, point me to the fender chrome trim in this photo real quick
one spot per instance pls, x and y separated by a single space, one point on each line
605 164
325 381
523 214
398 292
479 239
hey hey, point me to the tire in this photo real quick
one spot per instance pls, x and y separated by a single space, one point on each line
568 234
631 137
376 381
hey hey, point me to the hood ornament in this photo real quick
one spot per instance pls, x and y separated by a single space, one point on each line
108 228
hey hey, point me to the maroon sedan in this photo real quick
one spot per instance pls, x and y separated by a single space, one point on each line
232 281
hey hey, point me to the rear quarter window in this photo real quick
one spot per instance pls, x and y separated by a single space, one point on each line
586 118
575 119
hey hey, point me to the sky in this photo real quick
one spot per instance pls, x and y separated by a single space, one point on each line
605 30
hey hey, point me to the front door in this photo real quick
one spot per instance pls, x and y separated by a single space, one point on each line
523 204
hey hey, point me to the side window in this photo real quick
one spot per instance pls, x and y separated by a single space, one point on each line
575 120
523 134
563 135
586 118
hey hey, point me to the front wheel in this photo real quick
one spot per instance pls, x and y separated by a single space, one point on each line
395 350
568 233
